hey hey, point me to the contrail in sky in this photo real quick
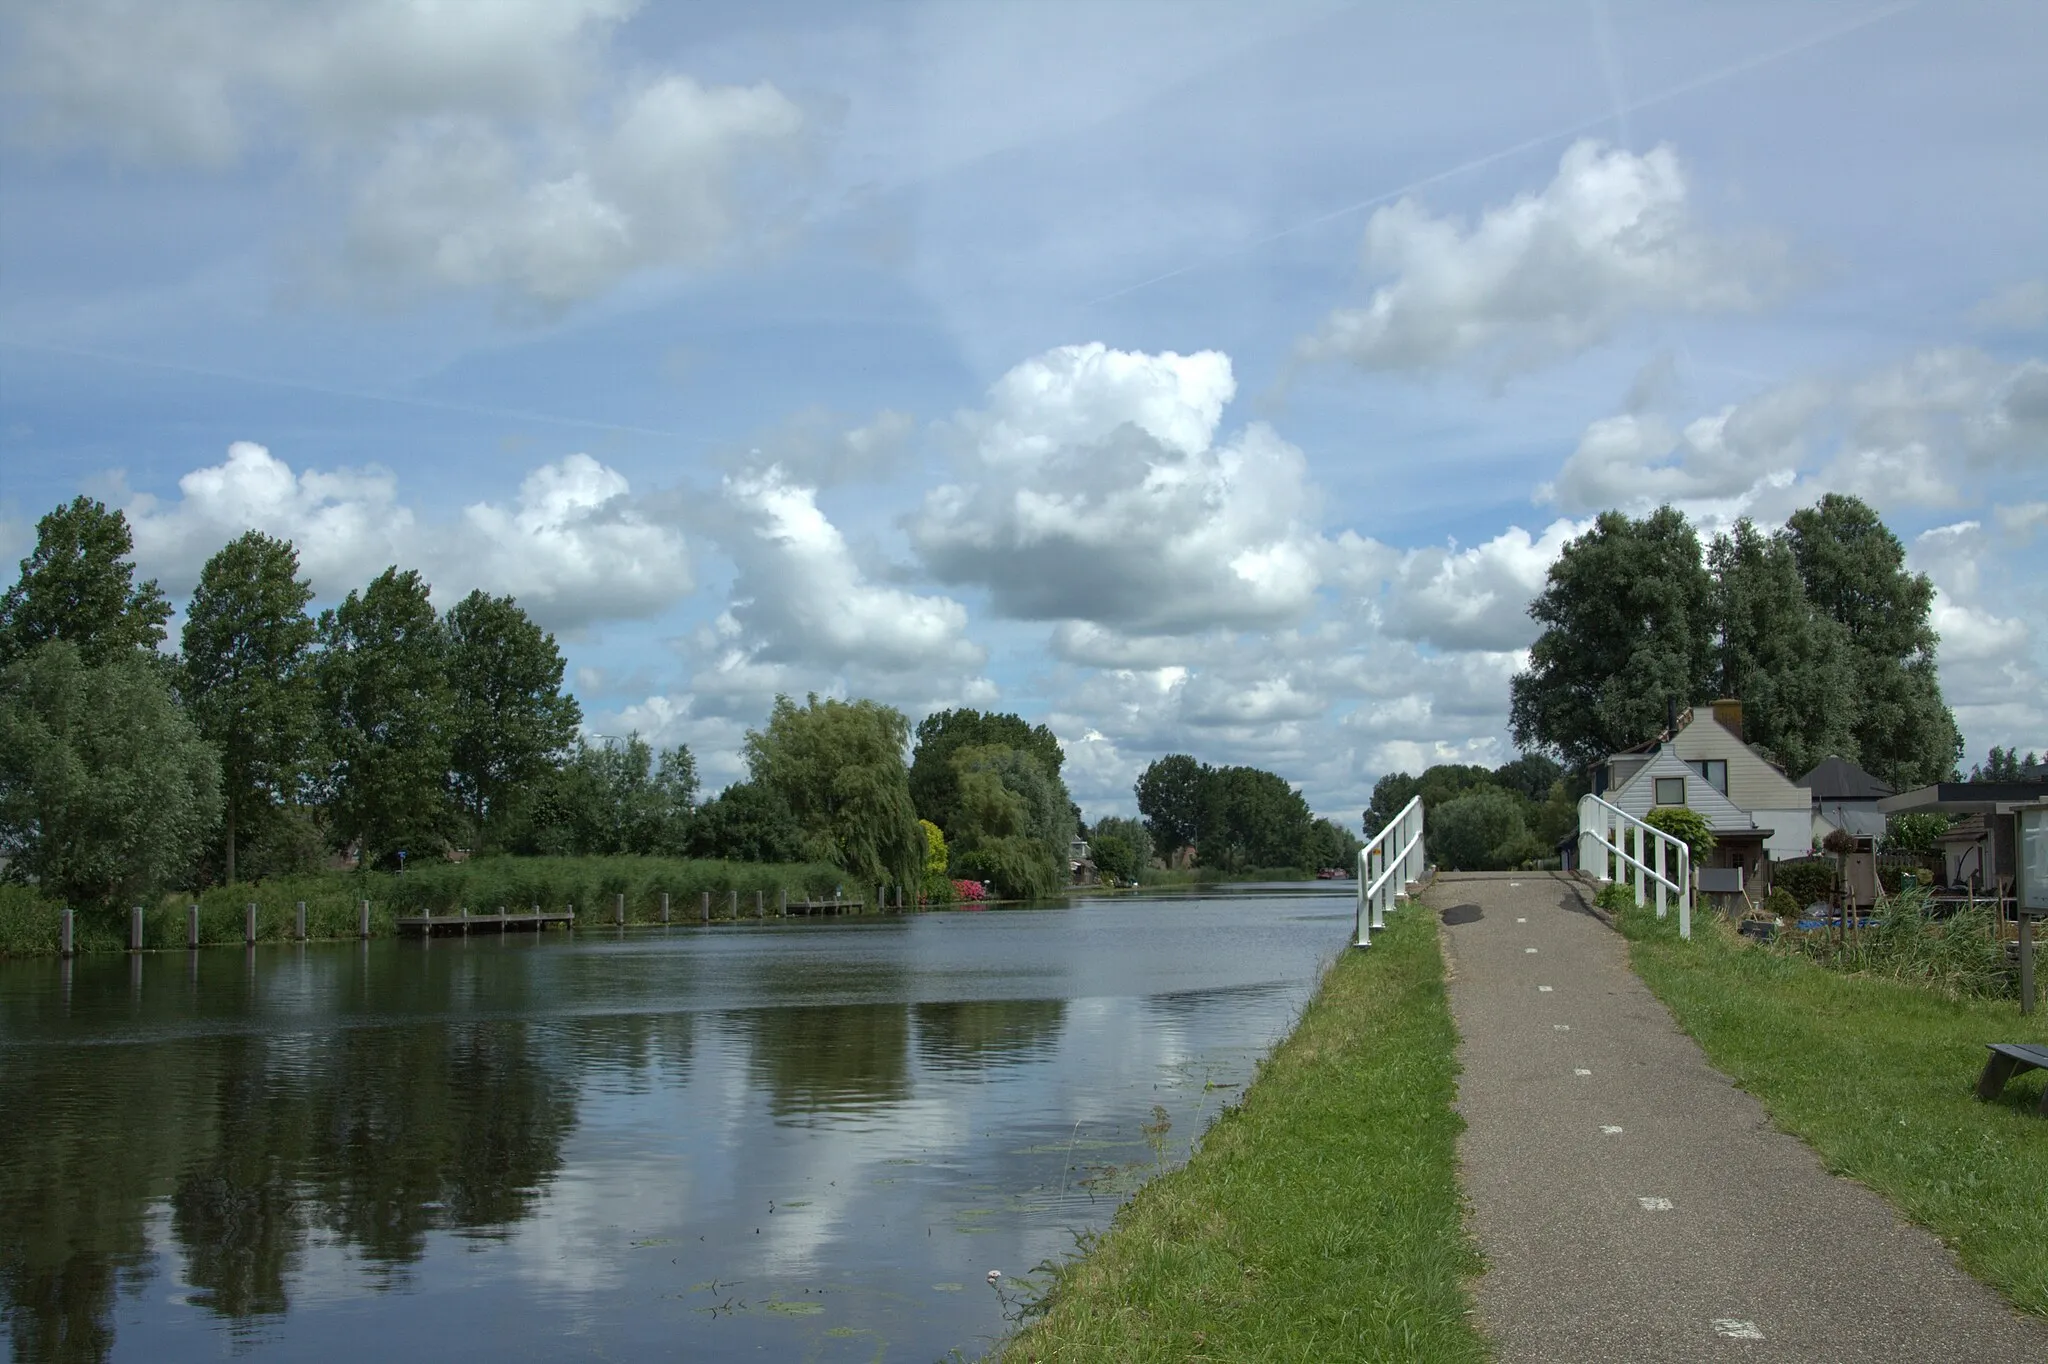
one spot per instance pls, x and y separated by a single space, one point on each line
1687 87
1610 69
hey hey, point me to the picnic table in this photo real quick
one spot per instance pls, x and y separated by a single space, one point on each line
2007 1060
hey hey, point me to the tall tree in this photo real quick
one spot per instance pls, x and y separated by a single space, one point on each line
385 702
79 585
247 679
933 783
1170 799
107 790
509 721
1790 663
1252 818
1012 820
1627 616
838 765
1854 571
746 822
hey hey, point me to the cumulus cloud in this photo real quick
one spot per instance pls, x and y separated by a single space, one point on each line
817 448
478 146
1909 434
1547 275
801 597
1095 488
1475 598
575 547
1992 667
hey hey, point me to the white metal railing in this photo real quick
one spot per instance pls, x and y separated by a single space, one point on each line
1613 840
1385 867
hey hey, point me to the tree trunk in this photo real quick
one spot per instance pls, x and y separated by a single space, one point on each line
231 842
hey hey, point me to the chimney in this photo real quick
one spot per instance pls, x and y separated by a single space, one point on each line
1728 711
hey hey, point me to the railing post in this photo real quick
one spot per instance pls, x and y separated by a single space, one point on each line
1642 891
1662 875
1361 935
1685 892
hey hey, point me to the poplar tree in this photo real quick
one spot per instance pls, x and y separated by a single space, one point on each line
79 585
248 680
509 721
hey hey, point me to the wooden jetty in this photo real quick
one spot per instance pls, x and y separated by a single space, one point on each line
426 925
826 907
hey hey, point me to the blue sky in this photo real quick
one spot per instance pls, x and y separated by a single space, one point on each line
1193 377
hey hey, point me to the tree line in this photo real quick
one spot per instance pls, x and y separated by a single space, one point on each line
1482 819
274 739
1235 818
1817 627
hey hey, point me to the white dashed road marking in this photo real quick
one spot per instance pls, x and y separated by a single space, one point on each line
1521 921
1582 1071
1543 989
1608 1129
1655 1204
1560 1027
1736 1329
1530 950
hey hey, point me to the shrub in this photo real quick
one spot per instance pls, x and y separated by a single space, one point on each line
1686 825
1477 831
1781 905
1914 833
1809 881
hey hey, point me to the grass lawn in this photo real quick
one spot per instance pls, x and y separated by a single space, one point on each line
1877 1076
1320 1218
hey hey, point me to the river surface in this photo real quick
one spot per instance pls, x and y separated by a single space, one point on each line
784 1141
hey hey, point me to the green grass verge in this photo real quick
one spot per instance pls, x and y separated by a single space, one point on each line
1321 1217
1877 1076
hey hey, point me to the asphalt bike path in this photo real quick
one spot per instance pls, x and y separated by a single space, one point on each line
1633 1204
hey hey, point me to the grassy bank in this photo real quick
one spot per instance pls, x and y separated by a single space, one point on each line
1876 1075
1320 1218
28 922
1210 876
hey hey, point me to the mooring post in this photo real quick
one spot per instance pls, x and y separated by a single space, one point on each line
2026 962
664 906
64 933
760 912
362 918
733 908
619 909
249 925
191 925
299 921
135 929
707 906
782 906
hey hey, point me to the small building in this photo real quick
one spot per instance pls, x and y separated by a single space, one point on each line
1845 797
1757 813
1981 850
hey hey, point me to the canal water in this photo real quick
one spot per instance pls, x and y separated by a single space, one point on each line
780 1141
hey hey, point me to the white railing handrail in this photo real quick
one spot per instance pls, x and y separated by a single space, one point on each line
1600 822
1377 886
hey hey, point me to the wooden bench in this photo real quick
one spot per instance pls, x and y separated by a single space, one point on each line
2007 1060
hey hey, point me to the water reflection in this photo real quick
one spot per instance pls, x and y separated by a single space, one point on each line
867 1116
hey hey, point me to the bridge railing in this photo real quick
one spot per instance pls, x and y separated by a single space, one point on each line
1385 867
1613 842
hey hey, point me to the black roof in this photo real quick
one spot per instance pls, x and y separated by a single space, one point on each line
1840 779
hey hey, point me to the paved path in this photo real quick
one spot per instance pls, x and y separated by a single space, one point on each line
1634 1205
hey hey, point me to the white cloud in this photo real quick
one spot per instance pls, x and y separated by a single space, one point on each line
1907 435
1992 668
1475 598
1096 490
801 597
575 547
2017 307
492 146
1545 276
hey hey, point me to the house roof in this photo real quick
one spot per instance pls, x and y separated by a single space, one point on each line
1836 779
1967 797
1637 795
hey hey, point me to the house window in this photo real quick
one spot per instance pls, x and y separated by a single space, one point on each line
1714 771
1670 790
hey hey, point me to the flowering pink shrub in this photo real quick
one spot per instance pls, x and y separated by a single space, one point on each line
970 891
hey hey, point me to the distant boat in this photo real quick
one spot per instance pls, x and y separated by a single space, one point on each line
1333 874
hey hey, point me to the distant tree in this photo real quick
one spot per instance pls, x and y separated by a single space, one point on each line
2005 764
1853 569
1170 799
615 798
1132 832
1390 795
1531 775
509 721
839 767
1627 616
1115 860
933 782
79 585
937 884
1914 833
1481 830
107 791
1789 662
386 706
1331 845
1252 818
1005 797
746 822
248 682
